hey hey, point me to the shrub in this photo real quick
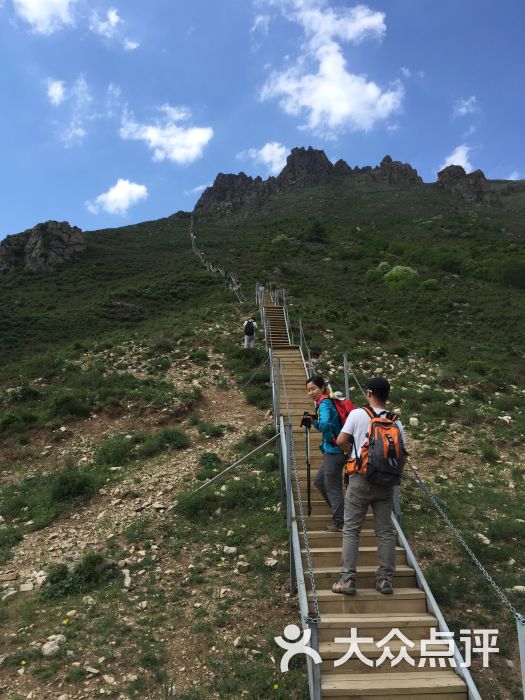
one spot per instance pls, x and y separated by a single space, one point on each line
400 277
316 232
260 396
384 267
169 438
489 452
210 429
373 275
92 571
280 242
210 465
199 356
430 285
68 405
71 484
114 451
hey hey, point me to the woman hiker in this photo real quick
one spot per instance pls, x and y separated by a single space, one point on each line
329 479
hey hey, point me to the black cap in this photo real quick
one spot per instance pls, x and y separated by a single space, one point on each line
380 387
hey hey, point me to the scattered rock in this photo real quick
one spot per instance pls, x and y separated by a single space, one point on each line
92 670
230 550
413 421
484 539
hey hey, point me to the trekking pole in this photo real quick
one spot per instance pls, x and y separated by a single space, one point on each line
308 470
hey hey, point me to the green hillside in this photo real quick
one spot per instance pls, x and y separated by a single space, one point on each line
409 281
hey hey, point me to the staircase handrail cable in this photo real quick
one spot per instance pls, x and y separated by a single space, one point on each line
317 617
211 481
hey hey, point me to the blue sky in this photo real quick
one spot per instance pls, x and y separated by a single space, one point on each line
114 113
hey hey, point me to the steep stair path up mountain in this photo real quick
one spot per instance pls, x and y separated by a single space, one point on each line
372 613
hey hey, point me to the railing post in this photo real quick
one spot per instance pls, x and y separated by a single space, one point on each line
288 466
347 381
316 669
293 576
310 368
276 384
521 644
397 504
301 334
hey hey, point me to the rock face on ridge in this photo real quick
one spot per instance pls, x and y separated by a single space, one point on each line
473 187
41 248
305 167
393 172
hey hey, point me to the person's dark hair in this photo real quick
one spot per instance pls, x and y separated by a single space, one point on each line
380 388
317 380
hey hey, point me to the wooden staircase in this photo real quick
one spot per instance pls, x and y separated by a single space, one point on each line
373 614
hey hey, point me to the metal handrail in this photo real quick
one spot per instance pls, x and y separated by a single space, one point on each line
297 566
473 693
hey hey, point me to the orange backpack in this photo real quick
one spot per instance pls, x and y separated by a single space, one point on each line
383 454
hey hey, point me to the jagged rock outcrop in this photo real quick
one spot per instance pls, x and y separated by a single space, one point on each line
41 248
393 172
305 167
473 187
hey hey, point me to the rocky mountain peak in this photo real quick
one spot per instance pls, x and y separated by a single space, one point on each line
305 167
473 187
41 248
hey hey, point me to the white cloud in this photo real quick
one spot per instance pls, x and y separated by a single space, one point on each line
82 98
56 91
319 85
118 198
113 101
130 45
261 24
459 156
272 155
463 107
515 175
196 190
166 137
406 72
105 27
45 16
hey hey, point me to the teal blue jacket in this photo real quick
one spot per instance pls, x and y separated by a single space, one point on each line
329 424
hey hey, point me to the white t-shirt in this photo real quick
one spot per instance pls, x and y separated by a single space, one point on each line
357 425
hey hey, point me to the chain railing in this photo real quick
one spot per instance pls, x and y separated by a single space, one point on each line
519 617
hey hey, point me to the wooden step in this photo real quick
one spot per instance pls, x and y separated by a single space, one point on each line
368 600
324 538
405 576
331 652
412 625
427 685
331 556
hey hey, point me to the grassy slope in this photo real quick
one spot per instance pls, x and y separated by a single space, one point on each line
464 330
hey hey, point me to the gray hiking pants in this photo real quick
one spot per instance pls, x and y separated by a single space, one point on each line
359 495
329 481
249 341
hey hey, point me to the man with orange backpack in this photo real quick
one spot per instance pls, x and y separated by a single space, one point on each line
374 439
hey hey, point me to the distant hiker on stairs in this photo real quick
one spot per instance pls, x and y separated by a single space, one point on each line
249 327
329 479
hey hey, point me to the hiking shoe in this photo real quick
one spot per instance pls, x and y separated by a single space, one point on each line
334 527
384 585
345 587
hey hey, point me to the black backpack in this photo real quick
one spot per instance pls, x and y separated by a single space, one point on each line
249 328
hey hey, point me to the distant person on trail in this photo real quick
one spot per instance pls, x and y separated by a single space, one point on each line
249 327
361 492
329 479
